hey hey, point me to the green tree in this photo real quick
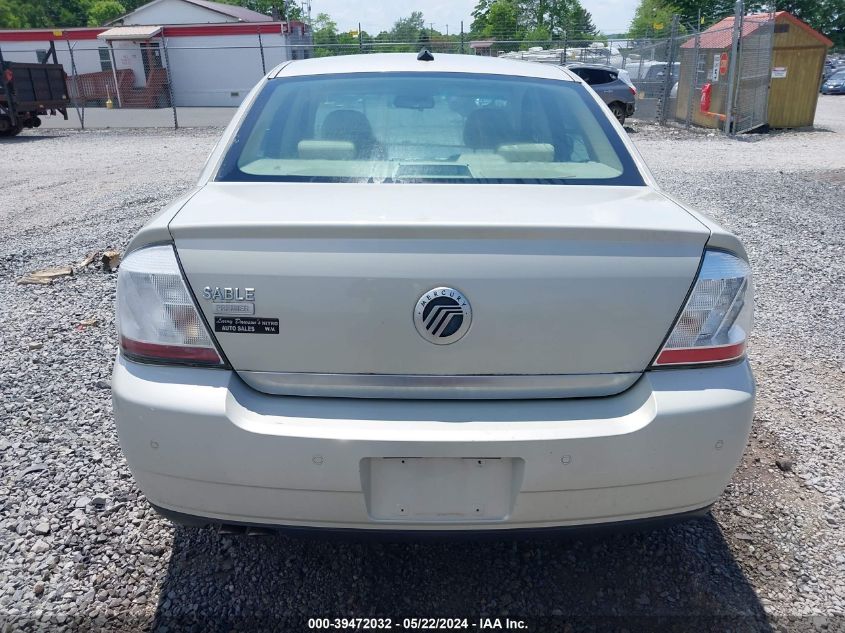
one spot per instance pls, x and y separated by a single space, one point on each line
408 29
711 11
479 18
537 36
826 16
502 21
649 15
286 9
9 16
424 40
530 19
324 34
49 13
103 11
580 24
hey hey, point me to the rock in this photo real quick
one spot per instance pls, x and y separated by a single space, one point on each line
89 259
34 346
742 536
89 322
99 501
110 260
42 528
35 468
39 547
784 464
38 588
46 275
153 550
33 281
82 502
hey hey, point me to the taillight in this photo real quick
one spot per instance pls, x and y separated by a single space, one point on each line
633 90
716 320
157 320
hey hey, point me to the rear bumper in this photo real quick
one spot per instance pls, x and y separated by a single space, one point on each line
201 443
365 534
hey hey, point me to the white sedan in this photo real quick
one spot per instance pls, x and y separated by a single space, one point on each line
432 294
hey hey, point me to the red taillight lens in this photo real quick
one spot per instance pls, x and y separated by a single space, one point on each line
697 355
157 319
154 351
716 319
633 90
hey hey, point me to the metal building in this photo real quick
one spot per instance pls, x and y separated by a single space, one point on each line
201 53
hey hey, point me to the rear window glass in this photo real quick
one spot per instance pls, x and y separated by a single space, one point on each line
427 127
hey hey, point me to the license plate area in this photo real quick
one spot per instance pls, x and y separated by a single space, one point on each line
439 490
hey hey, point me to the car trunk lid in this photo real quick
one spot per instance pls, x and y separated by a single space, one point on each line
562 280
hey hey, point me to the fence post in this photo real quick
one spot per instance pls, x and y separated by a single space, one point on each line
693 78
670 64
114 74
739 12
462 37
261 48
360 40
169 80
80 114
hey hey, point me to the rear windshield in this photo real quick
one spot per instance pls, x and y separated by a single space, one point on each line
427 127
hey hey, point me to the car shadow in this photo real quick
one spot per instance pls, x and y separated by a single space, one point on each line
681 578
11 140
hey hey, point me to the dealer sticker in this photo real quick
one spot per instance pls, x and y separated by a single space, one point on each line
246 325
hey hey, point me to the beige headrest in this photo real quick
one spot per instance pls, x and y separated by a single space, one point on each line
527 152
326 150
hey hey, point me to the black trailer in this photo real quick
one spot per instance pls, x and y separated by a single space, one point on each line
28 91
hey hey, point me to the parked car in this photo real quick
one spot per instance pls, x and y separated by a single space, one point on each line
834 84
831 66
652 85
374 312
610 84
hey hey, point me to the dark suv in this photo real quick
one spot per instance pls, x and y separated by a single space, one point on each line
618 94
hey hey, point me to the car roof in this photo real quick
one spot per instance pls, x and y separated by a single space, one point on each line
408 62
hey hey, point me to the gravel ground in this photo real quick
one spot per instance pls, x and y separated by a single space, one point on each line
81 550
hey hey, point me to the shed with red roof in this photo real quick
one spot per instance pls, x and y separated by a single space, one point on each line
788 81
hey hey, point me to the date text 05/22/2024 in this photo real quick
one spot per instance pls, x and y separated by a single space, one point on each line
417 624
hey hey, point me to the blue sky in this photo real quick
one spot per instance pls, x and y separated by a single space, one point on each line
608 15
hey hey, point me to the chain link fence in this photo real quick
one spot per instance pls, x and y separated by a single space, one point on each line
718 78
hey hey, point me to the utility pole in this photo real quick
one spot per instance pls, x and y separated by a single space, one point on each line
462 37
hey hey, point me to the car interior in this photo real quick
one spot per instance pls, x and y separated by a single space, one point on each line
422 129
